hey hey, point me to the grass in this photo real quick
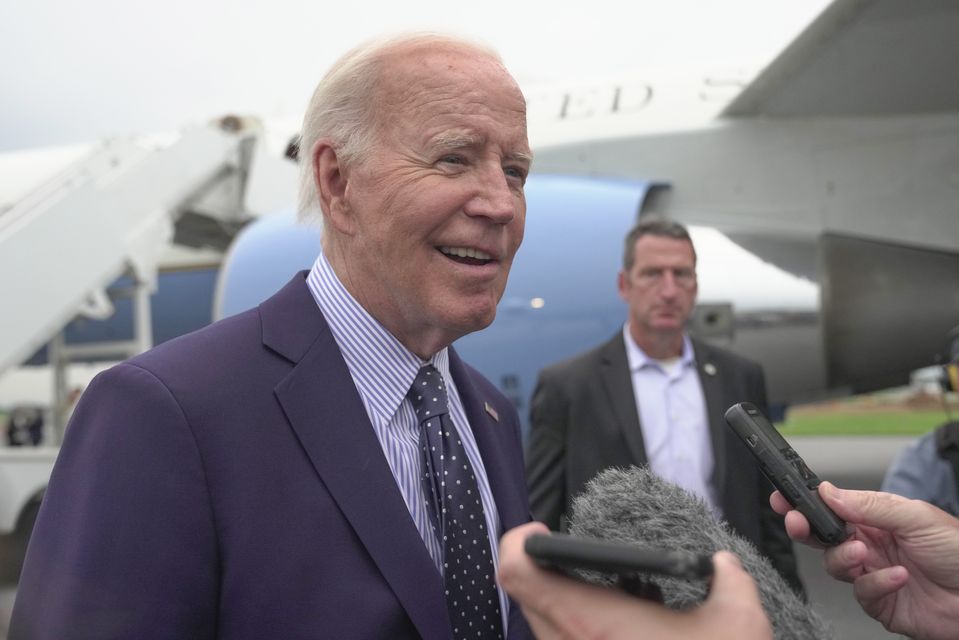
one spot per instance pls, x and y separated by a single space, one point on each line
861 422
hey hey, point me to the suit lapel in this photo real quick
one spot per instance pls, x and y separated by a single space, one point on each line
710 377
617 381
326 413
492 442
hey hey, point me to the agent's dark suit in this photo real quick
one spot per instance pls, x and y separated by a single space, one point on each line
584 420
228 484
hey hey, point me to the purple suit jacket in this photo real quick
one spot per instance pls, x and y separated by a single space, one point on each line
228 484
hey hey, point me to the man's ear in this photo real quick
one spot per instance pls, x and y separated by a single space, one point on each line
332 187
622 283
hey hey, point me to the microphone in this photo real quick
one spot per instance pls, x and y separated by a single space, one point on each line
636 506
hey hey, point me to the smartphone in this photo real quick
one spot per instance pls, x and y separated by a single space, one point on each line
786 470
562 552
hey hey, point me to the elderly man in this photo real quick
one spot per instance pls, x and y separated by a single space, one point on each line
323 466
653 395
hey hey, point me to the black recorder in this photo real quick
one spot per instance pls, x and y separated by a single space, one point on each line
563 553
786 470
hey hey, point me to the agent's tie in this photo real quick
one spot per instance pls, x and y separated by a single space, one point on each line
453 500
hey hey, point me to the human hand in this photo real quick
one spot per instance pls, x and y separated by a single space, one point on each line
902 558
561 607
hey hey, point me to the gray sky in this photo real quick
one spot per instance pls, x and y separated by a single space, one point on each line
76 71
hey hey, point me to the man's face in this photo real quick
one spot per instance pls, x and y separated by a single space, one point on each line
438 205
660 288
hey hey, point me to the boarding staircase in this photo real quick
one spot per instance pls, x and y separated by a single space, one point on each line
110 214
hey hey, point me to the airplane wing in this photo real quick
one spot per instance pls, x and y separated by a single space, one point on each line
862 58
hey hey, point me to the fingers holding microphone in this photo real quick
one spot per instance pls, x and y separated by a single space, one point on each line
902 558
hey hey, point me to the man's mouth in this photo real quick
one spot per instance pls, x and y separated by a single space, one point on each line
467 255
667 311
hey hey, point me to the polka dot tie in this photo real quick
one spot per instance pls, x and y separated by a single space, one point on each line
454 503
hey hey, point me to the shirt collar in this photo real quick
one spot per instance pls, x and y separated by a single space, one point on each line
637 358
382 368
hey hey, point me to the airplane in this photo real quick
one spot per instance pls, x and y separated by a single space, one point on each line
821 198
837 163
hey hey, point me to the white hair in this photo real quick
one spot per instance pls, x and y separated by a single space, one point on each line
342 108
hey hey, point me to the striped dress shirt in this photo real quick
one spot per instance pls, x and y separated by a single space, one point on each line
383 371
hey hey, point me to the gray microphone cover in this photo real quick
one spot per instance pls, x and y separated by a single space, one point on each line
636 506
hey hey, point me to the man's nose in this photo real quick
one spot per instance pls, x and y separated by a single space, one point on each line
668 285
494 197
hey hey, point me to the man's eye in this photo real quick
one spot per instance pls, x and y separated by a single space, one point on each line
516 172
453 159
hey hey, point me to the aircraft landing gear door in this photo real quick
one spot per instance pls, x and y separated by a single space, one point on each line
906 295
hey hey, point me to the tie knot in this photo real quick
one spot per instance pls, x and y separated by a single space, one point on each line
428 394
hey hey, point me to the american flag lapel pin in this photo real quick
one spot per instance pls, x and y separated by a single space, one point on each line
490 410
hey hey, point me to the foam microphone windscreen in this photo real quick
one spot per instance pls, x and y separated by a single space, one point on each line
636 506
